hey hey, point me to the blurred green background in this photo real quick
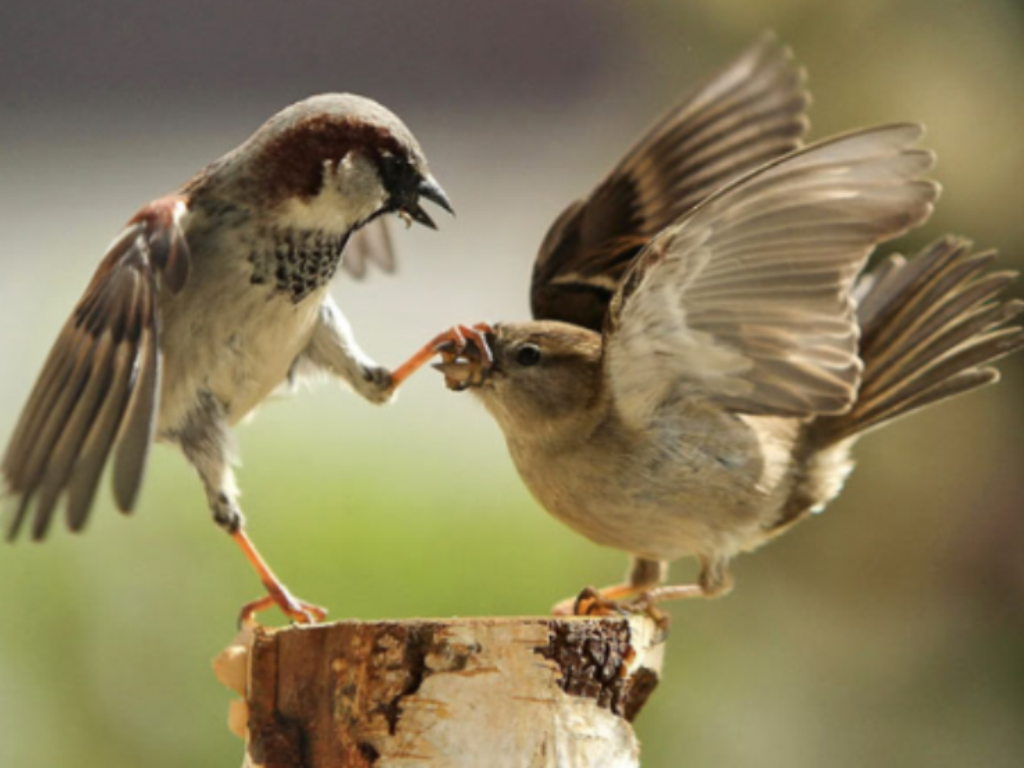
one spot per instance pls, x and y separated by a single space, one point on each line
888 632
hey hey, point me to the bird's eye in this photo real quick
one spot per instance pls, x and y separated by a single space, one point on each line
528 355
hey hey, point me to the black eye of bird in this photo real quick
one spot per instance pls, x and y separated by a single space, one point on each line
528 355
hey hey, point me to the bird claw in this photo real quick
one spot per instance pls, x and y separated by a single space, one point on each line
591 603
466 357
455 342
451 344
299 611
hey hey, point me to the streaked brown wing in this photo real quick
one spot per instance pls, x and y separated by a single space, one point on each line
930 328
748 114
99 387
747 300
370 244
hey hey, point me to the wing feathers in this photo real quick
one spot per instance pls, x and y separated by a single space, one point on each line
136 435
748 114
72 430
93 455
931 325
100 384
370 244
747 299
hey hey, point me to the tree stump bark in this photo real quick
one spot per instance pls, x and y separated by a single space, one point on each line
459 693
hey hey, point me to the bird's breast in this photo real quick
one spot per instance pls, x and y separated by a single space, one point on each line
296 262
685 486
229 335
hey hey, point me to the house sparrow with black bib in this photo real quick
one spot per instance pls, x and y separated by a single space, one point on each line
706 349
209 300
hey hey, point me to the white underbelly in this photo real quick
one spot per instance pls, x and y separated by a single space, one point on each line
233 340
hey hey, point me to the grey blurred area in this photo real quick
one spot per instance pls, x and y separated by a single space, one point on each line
887 632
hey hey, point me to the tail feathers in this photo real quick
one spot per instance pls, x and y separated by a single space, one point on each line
929 328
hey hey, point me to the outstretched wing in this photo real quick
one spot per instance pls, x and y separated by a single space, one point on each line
370 244
746 300
99 387
747 115
931 327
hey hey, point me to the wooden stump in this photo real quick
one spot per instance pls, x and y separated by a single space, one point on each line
459 693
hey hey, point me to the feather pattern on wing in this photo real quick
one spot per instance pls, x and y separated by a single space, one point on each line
99 387
748 114
930 327
746 300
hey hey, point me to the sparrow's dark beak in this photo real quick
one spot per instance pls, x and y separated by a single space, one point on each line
455 373
431 190
461 375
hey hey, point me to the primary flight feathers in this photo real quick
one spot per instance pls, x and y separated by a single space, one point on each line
746 299
748 114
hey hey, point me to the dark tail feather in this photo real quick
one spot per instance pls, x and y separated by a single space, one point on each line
929 328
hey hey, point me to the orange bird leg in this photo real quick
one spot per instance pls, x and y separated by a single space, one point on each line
277 593
625 598
605 600
455 336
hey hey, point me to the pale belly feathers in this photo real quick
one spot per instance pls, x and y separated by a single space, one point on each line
710 489
229 338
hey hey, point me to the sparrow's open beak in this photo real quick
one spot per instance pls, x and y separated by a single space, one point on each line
462 374
431 190
458 376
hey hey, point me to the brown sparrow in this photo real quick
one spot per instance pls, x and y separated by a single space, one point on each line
702 359
209 300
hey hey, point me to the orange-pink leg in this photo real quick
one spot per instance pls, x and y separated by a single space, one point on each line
644 590
623 599
590 600
456 336
277 593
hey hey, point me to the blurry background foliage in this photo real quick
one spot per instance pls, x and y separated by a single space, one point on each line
888 632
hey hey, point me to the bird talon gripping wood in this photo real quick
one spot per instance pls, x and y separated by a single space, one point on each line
589 602
298 611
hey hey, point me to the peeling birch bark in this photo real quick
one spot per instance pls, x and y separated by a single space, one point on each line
459 693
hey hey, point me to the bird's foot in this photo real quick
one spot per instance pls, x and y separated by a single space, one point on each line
377 385
466 357
626 600
450 344
590 602
608 601
297 610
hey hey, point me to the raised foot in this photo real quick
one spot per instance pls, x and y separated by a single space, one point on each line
466 356
450 344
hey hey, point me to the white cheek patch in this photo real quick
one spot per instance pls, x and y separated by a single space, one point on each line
352 192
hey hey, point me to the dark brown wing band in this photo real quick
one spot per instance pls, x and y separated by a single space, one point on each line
749 113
